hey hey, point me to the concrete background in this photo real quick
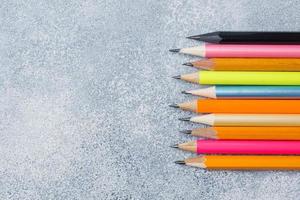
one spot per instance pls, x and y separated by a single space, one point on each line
84 89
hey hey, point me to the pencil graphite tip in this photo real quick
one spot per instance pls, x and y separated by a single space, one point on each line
194 37
174 50
174 106
186 119
185 92
177 77
174 146
188 64
180 162
186 131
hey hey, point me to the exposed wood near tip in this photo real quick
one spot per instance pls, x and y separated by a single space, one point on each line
193 78
189 106
188 146
196 162
208 132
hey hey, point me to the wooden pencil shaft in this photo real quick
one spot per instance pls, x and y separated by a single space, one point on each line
236 37
248 119
248 64
243 106
243 78
256 147
258 92
209 50
248 133
248 92
242 162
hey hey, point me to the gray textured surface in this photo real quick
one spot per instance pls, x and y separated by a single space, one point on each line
84 91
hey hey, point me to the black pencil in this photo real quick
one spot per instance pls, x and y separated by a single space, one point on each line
232 37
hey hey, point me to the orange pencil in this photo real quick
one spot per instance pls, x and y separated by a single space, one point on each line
229 162
247 64
241 106
246 133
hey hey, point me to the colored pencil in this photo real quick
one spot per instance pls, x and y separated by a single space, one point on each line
247 162
241 106
235 37
265 147
242 51
247 92
242 78
246 133
247 64
246 119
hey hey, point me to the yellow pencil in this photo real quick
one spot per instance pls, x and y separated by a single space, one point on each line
242 78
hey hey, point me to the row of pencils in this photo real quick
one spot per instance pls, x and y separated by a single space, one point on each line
251 104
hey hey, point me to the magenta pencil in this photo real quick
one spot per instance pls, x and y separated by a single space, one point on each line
242 51
241 147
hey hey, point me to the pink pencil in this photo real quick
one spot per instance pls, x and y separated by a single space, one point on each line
242 51
241 147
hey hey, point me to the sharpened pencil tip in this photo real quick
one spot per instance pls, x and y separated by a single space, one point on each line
186 131
174 50
185 92
174 105
186 119
174 146
188 64
180 162
193 37
177 77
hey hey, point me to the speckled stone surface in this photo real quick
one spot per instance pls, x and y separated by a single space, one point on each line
84 89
